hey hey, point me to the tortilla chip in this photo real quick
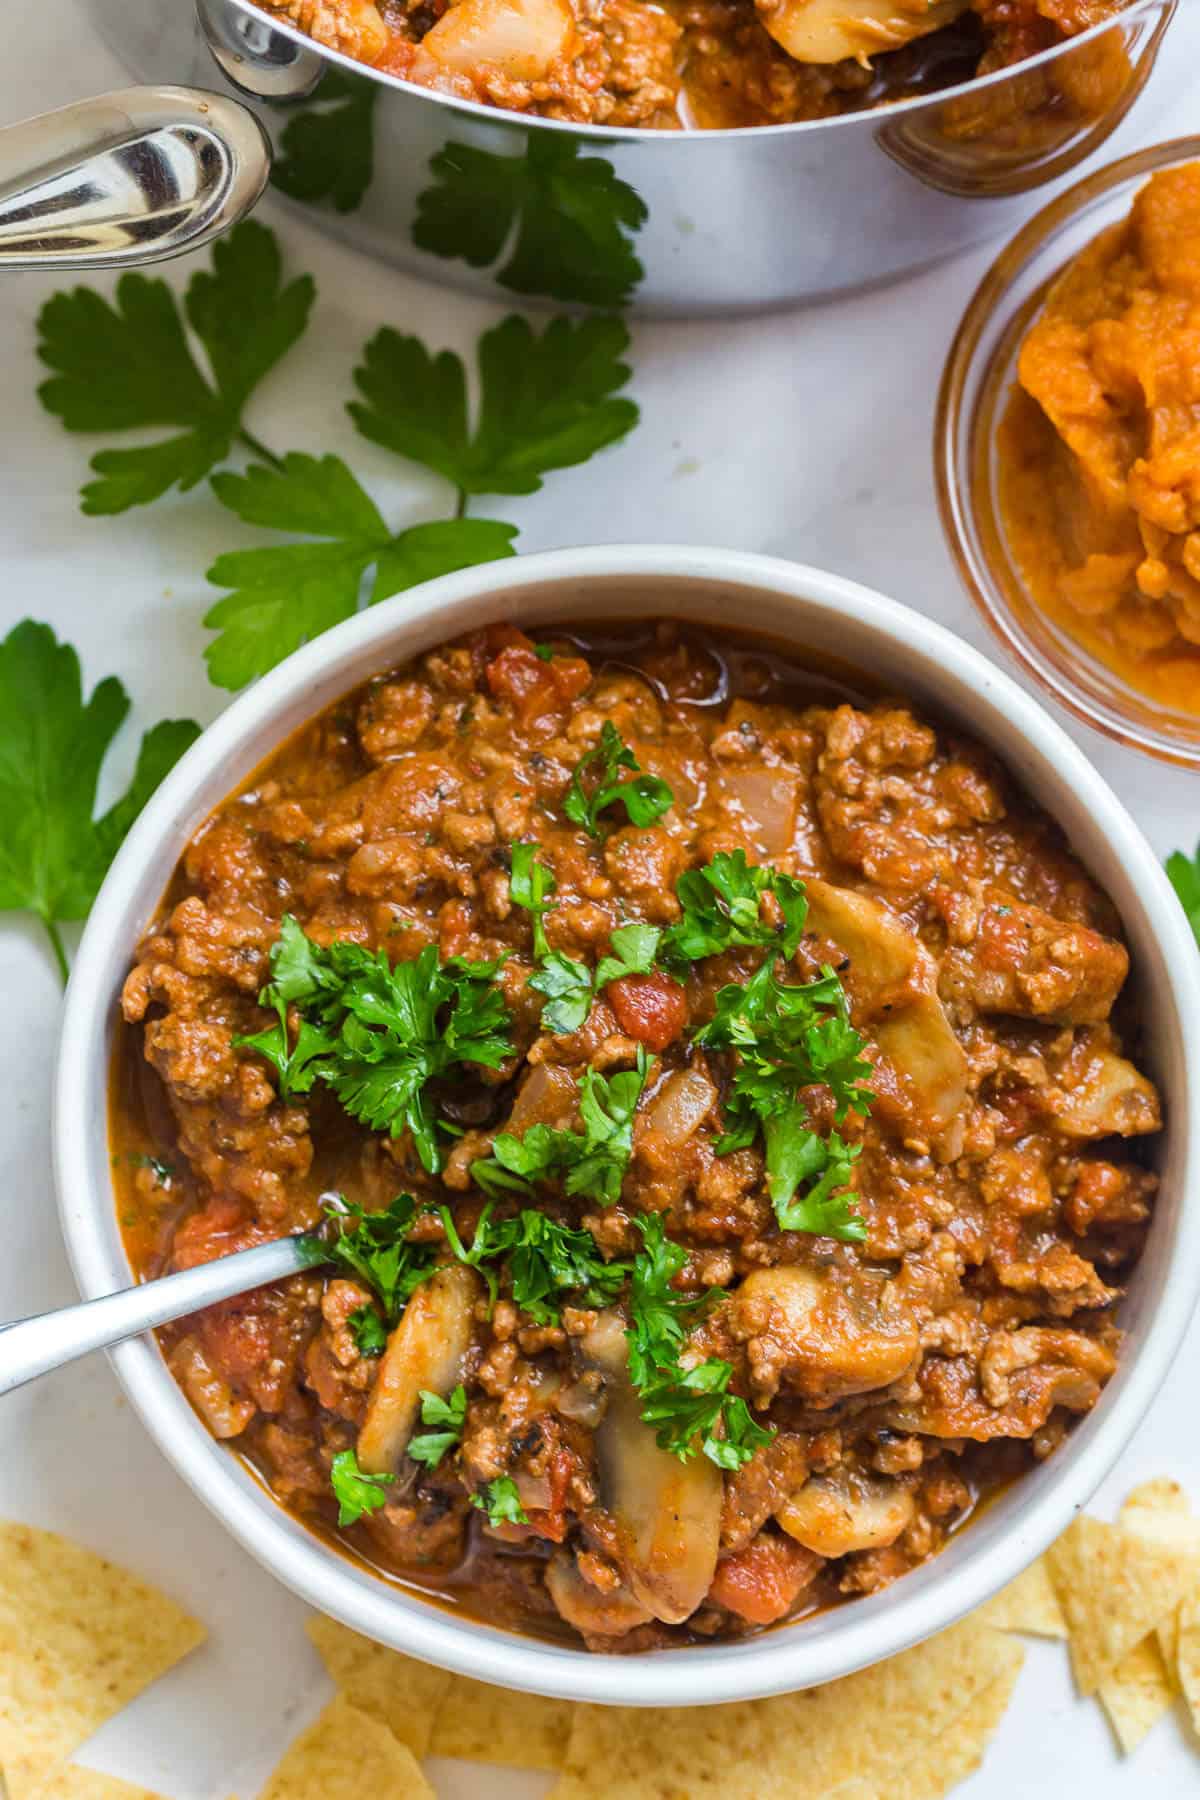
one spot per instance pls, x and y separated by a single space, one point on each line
1187 1663
71 1781
395 1690
797 1747
79 1638
342 1756
1027 1604
942 1762
486 1724
1137 1694
1160 1495
1115 1585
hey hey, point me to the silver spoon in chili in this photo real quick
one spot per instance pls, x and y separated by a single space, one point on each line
34 1346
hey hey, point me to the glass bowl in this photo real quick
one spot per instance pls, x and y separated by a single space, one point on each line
979 379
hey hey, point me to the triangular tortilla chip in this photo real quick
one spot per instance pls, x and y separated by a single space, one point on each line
1114 1586
396 1690
797 1747
344 1755
79 1638
71 1781
478 1723
1161 1496
1027 1604
945 1760
1187 1661
1136 1694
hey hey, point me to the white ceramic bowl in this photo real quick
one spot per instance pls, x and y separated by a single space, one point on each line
913 657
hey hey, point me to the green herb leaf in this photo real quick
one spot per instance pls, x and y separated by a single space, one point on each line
367 1329
567 986
431 1446
53 854
645 798
796 1154
722 910
546 402
285 595
374 1246
1184 873
634 948
530 885
593 1161
501 1502
571 213
685 1406
327 151
356 1492
118 368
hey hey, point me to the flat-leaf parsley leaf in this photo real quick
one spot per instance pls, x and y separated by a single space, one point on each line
645 798
53 853
129 365
356 1492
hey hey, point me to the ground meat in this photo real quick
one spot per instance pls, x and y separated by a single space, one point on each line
903 1370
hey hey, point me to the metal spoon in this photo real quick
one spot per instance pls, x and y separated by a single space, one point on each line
32 1347
128 178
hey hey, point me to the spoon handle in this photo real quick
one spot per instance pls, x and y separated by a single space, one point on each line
32 1347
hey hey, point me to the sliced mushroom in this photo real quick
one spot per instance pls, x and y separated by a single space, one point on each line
836 1513
667 1513
523 38
829 31
893 981
1099 1094
425 1351
594 1613
822 1336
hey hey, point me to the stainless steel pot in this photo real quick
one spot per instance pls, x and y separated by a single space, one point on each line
668 222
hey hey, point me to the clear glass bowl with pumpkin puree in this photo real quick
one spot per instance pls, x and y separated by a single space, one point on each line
1067 449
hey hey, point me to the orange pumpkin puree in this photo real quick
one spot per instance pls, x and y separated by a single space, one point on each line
1099 449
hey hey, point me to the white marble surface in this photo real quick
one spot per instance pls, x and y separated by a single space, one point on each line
803 434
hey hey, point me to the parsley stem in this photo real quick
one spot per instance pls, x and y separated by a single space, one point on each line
259 449
56 944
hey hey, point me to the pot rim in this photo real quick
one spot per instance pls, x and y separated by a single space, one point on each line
617 134
1010 1533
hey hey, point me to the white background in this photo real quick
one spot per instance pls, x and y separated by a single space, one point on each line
806 435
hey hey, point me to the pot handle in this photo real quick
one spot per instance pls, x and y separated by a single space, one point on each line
256 58
128 178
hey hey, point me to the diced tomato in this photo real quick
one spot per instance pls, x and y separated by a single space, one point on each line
651 1008
761 1582
216 1230
532 686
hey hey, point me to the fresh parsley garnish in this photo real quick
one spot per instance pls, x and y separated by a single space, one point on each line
53 853
546 1261
545 402
570 986
1184 873
683 1405
501 1502
530 885
285 594
572 217
368 1331
788 1037
590 1162
130 365
379 1032
723 910
327 148
597 784
355 1491
567 985
431 1446
374 1246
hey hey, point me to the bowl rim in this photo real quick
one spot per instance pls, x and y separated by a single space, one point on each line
957 451
641 134
777 1661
